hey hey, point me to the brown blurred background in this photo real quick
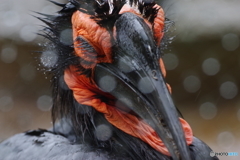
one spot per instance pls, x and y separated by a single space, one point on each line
203 64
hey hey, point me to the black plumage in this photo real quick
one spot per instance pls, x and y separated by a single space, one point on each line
75 135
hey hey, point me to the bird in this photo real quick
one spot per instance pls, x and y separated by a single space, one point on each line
110 97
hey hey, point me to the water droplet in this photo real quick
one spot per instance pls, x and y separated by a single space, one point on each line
228 90
230 42
49 58
107 83
103 132
170 61
44 103
191 84
208 110
6 103
225 139
211 66
145 85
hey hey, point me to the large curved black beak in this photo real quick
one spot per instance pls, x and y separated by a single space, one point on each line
140 83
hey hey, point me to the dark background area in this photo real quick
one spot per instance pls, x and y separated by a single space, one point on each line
203 65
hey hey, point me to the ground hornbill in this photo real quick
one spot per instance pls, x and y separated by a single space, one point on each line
110 99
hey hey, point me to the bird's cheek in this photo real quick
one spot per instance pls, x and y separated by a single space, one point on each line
98 38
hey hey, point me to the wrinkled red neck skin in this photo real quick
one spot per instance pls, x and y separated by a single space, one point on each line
85 91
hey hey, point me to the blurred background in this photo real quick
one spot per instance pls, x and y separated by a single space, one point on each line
203 64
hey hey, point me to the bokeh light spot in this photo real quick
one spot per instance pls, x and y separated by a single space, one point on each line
170 61
228 90
124 66
103 132
210 66
191 84
225 139
145 85
124 104
107 83
28 33
44 103
66 37
208 110
8 54
6 103
11 18
230 42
